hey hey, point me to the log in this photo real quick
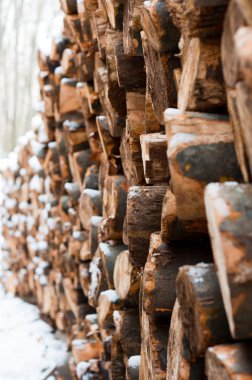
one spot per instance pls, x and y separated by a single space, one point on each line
109 144
235 41
116 94
75 26
242 105
73 190
52 165
69 6
238 119
143 366
87 6
108 302
158 26
239 14
76 299
127 325
161 269
58 46
130 151
84 350
130 148
93 139
202 19
125 66
89 100
87 31
108 88
127 279
115 13
93 233
90 205
196 158
91 325
78 164
75 136
173 228
49 100
109 254
159 72
68 63
75 243
132 368
85 67
179 364
229 361
131 27
150 118
91 370
202 310
144 206
154 346
85 253
114 200
154 155
98 283
117 364
108 230
201 86
101 23
84 277
68 101
228 209
91 178
135 102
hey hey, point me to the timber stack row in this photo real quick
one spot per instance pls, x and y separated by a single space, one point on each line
145 262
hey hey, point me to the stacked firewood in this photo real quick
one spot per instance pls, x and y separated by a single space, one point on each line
110 237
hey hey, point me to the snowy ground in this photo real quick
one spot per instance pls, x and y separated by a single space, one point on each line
28 348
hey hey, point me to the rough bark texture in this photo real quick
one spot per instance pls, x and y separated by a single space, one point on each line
103 209
228 209
202 309
144 206
230 361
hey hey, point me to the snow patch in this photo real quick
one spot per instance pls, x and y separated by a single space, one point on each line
134 361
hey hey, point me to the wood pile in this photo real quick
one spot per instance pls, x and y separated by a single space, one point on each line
109 236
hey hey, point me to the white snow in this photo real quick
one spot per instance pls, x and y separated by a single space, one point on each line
82 368
79 235
95 275
117 316
34 164
212 191
95 220
36 184
231 183
51 223
111 295
134 361
92 193
180 138
170 113
91 317
28 349
222 207
104 247
42 245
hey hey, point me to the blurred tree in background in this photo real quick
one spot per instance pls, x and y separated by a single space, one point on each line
24 26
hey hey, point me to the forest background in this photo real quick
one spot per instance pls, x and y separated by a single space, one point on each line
25 25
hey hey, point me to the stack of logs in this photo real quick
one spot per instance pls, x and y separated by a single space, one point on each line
110 237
